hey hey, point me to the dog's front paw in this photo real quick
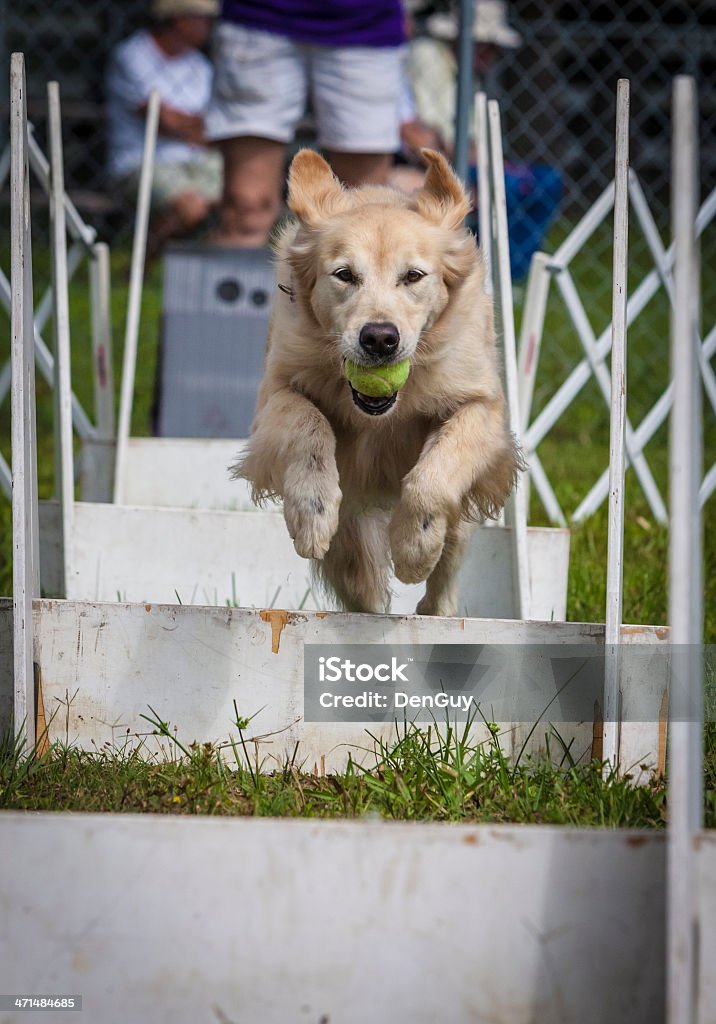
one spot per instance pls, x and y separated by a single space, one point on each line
311 502
417 538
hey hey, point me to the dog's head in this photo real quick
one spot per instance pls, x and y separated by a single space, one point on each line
373 267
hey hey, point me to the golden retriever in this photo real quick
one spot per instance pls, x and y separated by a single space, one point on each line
377 276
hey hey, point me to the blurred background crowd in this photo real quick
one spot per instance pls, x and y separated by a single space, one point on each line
367 82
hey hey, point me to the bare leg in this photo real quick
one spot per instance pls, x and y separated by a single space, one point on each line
356 567
361 168
251 203
441 596
408 179
183 213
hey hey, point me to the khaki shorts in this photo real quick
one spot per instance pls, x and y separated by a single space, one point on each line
262 82
204 175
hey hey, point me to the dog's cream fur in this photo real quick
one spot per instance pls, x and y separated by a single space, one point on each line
360 489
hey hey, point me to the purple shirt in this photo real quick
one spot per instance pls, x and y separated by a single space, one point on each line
323 22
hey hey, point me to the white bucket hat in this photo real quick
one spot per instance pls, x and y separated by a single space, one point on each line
162 9
490 25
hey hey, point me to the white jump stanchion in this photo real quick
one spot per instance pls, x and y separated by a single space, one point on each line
661 276
528 350
24 461
516 508
84 245
45 364
62 388
685 797
141 228
598 369
98 458
556 267
100 290
484 206
617 436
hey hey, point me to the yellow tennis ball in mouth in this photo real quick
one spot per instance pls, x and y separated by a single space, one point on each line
377 381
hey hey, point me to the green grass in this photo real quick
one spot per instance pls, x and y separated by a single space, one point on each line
422 776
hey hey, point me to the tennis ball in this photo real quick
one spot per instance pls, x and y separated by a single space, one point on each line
377 381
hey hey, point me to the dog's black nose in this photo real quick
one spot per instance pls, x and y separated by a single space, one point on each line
379 340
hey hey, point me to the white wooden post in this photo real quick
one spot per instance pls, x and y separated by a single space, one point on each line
62 387
100 292
24 464
516 509
617 434
484 206
141 228
685 578
531 332
41 168
102 360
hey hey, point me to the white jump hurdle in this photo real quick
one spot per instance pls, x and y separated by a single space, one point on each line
173 531
199 538
65 216
327 920
685 915
26 568
546 269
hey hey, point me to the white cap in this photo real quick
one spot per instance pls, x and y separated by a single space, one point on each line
490 25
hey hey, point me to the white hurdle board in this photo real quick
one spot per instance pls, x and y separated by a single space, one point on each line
191 663
282 920
182 530
169 919
209 556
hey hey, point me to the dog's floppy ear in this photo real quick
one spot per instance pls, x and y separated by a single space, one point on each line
442 198
314 192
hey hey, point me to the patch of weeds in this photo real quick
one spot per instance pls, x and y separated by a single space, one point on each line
433 774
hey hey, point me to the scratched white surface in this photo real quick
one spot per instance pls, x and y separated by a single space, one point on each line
210 556
180 920
190 663
705 864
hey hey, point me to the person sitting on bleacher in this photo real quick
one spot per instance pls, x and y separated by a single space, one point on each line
167 57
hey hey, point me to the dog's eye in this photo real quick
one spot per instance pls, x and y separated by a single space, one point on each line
412 276
345 274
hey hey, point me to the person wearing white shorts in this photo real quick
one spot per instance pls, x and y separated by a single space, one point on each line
271 58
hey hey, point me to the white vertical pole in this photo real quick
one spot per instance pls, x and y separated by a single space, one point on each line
103 372
617 433
516 509
141 228
24 463
4 165
484 206
685 577
100 293
531 332
64 454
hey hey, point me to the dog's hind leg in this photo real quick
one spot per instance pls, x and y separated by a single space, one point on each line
357 566
441 594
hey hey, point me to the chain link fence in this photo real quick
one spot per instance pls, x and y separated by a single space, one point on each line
557 89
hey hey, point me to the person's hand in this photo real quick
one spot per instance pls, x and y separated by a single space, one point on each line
177 124
415 135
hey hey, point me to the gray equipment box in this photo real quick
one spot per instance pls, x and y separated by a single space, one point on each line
213 338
